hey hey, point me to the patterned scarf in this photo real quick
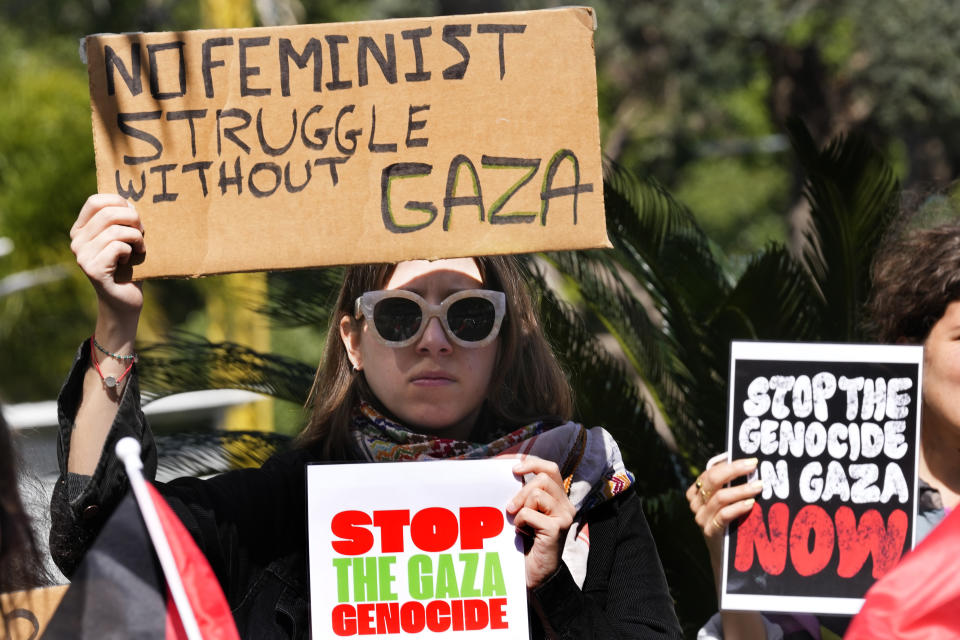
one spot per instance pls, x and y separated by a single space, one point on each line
589 461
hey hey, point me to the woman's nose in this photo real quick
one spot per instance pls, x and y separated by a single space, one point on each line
434 338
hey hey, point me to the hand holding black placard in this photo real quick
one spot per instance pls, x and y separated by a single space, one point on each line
834 429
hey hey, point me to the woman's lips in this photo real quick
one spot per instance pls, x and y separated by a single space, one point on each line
432 379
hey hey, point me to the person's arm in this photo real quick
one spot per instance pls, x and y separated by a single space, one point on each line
92 413
81 503
624 593
236 518
715 505
106 234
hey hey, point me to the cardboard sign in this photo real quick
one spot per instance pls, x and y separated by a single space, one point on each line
836 430
284 147
26 613
415 548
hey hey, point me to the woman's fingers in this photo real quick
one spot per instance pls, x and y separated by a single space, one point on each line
546 502
543 512
101 257
542 522
101 219
711 480
100 228
89 250
535 465
542 483
539 476
106 234
93 204
724 473
723 500
715 502
721 519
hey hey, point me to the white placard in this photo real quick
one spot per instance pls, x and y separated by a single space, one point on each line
415 548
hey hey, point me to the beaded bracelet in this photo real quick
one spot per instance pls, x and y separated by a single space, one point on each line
115 356
109 381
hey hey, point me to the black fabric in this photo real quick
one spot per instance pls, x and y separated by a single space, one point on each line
251 525
624 592
75 522
119 591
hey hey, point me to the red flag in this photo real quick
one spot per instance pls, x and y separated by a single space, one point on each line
919 599
210 608
119 589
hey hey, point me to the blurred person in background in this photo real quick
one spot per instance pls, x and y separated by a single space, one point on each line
21 565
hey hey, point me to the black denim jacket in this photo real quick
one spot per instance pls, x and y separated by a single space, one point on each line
251 525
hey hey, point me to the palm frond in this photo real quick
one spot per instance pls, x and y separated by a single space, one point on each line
621 307
606 392
774 299
853 195
625 314
657 239
191 363
660 249
664 216
302 298
201 454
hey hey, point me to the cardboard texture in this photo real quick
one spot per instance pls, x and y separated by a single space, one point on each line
284 147
28 612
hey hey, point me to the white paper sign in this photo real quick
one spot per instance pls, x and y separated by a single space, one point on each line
415 548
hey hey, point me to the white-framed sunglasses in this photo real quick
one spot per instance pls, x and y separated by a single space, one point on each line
397 317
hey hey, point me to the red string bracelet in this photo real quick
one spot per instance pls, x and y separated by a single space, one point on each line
108 381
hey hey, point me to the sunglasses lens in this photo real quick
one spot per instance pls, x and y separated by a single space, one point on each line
471 319
397 318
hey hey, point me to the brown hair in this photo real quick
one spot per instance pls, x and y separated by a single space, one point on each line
528 383
21 566
916 274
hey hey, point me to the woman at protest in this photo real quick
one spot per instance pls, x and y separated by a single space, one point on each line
915 300
423 359
21 566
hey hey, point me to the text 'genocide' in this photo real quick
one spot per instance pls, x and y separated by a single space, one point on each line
882 406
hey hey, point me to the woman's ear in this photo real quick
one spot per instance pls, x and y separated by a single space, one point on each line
350 334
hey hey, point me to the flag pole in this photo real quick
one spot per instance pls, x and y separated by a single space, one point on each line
128 450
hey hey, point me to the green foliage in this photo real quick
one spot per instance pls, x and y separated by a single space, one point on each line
202 454
302 298
908 53
605 393
76 18
736 200
190 363
689 78
674 307
46 171
853 196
